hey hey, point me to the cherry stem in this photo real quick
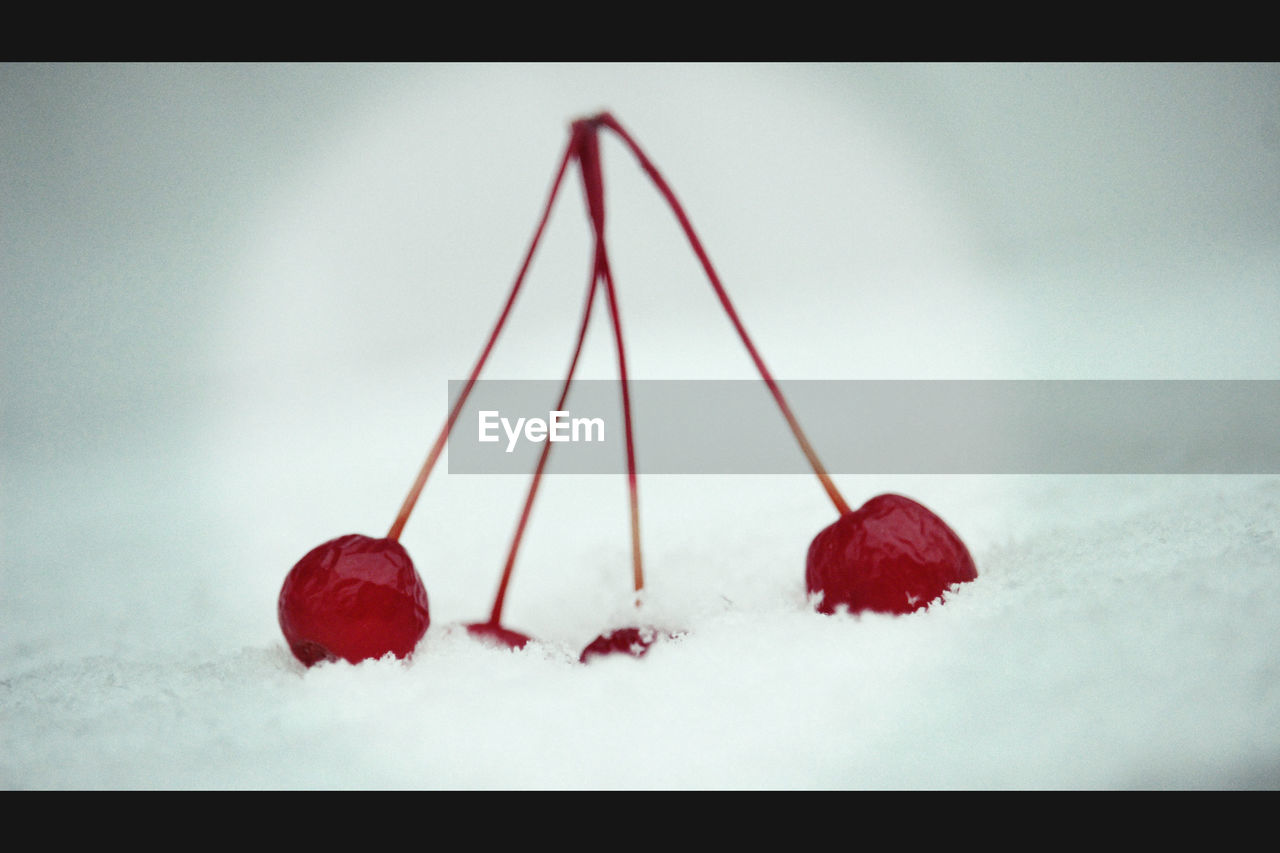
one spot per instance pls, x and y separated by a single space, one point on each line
607 120
593 186
496 616
637 561
412 498
584 147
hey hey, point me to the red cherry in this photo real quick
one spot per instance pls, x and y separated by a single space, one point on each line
630 641
495 635
354 597
892 555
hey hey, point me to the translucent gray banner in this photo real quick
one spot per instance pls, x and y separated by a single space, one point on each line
875 427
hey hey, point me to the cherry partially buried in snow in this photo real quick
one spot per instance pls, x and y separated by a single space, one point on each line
892 555
494 634
624 641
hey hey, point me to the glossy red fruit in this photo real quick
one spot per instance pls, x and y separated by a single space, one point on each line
495 635
891 555
629 641
354 597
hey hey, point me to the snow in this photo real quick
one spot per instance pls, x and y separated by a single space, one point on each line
233 297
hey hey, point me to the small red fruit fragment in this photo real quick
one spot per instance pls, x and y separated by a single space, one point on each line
495 635
891 555
630 641
354 597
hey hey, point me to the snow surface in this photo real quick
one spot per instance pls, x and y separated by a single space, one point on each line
233 296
